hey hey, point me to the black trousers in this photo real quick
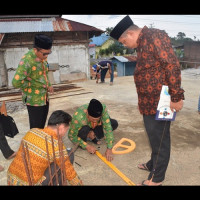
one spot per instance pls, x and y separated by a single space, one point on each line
159 137
38 115
5 148
98 130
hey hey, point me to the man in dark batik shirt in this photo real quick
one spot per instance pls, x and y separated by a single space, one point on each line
157 65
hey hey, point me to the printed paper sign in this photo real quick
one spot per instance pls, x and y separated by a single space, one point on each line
163 110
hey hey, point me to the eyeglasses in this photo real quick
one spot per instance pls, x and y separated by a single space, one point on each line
46 54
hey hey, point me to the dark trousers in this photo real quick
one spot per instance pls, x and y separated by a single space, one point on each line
52 168
159 137
98 130
103 74
5 148
38 115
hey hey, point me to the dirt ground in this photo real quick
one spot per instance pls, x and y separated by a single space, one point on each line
121 101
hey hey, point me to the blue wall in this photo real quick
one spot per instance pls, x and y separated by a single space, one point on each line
129 68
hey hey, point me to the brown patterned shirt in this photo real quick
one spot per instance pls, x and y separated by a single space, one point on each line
157 65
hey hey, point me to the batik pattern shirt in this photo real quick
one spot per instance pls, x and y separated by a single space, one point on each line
32 77
80 119
35 140
157 65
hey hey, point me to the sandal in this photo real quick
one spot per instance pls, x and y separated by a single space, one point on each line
143 184
12 156
144 167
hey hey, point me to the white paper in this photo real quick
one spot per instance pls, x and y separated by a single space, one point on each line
163 110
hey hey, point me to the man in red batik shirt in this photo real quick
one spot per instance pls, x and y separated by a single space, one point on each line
157 65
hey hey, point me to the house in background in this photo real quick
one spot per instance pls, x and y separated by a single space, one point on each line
99 42
70 51
125 65
92 51
192 53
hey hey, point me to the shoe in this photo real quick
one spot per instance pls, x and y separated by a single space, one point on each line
143 167
12 156
1 168
111 83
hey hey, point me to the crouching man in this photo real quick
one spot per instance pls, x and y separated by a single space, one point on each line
92 122
35 139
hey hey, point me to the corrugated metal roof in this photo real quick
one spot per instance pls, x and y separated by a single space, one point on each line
131 58
77 26
1 37
20 25
99 40
92 45
60 25
121 58
126 58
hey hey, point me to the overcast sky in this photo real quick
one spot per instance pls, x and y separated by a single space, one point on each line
172 24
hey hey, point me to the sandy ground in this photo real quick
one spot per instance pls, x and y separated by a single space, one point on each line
121 101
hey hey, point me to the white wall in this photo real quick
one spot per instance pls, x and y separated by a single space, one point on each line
70 58
12 57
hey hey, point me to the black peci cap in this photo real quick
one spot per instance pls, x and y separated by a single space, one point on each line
95 108
121 27
43 41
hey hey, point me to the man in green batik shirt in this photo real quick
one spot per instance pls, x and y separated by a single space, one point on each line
32 78
92 122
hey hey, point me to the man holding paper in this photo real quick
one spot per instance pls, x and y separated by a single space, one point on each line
157 65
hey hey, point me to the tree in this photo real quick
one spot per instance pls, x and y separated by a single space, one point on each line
116 48
108 30
181 36
180 39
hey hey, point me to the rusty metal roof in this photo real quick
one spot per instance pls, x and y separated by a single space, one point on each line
22 25
1 37
131 58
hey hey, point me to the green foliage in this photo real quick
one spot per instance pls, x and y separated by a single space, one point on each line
180 39
108 30
116 48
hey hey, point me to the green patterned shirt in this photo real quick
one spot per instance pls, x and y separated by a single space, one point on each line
32 77
80 119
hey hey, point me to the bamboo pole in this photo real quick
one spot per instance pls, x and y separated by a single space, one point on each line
23 154
54 160
119 173
29 164
47 150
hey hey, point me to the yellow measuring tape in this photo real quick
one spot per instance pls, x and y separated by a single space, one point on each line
127 180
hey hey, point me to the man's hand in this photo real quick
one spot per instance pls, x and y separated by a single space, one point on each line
109 155
90 149
51 90
176 106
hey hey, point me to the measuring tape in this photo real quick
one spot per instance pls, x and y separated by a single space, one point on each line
127 180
